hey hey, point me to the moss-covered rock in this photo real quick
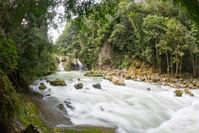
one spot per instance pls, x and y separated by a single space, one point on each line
58 82
42 86
178 93
78 85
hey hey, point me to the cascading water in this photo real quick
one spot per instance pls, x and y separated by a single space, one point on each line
130 108
60 66
80 65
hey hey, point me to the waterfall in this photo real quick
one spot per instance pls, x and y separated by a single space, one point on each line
60 66
80 65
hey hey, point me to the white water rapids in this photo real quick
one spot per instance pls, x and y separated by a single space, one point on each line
129 109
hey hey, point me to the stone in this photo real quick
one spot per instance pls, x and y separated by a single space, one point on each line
97 86
42 86
31 129
186 90
61 107
191 86
78 85
191 94
107 78
148 89
128 77
47 95
68 105
178 93
58 82
118 81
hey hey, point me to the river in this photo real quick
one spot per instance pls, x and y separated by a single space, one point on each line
130 108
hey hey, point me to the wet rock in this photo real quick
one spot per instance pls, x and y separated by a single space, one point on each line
97 86
118 81
68 105
148 89
42 86
58 82
47 95
31 129
101 108
78 85
178 93
61 108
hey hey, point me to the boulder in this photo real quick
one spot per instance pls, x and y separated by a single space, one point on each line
118 81
178 93
58 82
78 85
148 89
31 129
97 86
42 86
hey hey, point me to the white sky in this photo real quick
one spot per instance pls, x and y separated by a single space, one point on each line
54 33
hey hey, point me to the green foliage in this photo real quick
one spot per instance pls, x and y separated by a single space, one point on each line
8 55
189 7
28 114
89 56
154 31
120 38
9 102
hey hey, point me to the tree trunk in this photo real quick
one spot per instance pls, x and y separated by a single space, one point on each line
168 67
177 64
157 55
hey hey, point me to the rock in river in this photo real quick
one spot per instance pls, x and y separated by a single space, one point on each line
42 86
118 81
61 108
78 85
97 86
58 82
178 93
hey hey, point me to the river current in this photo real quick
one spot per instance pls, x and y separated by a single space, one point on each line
130 109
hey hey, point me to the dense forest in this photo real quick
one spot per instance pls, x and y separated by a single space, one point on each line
155 32
161 33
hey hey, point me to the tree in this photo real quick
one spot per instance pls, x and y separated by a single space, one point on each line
175 39
154 28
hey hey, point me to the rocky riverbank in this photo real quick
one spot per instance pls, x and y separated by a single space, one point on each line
174 81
